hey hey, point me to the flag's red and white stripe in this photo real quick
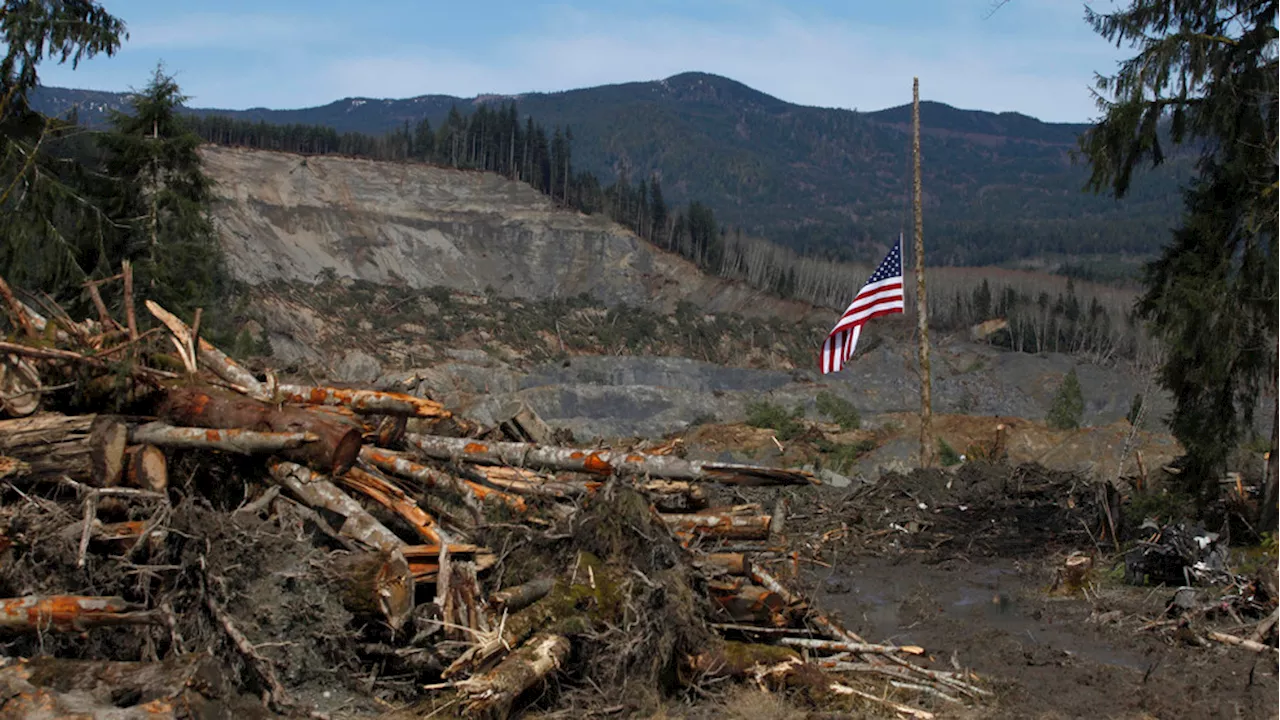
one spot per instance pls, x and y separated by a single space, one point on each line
882 295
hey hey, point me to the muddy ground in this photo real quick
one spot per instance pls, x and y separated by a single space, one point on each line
964 564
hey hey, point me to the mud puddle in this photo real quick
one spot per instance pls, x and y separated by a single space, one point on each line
909 603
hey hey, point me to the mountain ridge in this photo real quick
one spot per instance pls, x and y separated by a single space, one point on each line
999 188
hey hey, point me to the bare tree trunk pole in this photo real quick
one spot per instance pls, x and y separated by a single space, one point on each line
922 305
1267 513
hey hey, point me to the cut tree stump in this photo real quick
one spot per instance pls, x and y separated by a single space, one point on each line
374 584
108 437
602 462
20 387
146 468
334 451
520 423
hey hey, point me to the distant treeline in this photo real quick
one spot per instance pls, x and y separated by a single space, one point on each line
495 139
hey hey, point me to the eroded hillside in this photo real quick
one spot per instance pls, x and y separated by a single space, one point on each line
289 217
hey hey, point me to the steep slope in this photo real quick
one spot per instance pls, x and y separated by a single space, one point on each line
288 217
998 188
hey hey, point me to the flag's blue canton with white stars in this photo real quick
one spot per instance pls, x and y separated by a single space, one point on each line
882 295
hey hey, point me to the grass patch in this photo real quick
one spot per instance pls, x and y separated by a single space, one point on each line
840 411
765 414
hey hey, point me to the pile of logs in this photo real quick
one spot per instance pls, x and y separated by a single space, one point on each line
408 505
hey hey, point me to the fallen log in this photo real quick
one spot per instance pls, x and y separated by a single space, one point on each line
317 492
724 563
424 559
736 659
675 495
374 402
390 431
427 478
212 358
50 445
119 537
729 527
473 494
1239 641
602 462
751 604
835 646
70 613
515 599
373 583
381 490
829 627
185 686
146 468
528 482
243 442
531 663
334 451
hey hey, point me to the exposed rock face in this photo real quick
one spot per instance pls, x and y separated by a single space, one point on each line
285 216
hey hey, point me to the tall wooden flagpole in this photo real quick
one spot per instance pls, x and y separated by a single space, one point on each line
922 305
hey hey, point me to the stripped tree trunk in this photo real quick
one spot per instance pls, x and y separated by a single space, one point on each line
602 462
317 492
364 401
244 442
729 527
70 613
496 691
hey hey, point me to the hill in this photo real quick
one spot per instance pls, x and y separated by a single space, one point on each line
999 188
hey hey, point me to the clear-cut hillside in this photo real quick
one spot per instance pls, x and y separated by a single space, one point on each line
288 217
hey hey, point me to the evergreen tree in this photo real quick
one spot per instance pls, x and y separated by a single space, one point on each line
51 236
160 198
1068 404
1204 76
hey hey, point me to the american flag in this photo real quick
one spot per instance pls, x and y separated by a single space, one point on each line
882 295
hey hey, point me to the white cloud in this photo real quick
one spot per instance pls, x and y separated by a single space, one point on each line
221 31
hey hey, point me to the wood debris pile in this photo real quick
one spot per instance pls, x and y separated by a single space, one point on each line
181 533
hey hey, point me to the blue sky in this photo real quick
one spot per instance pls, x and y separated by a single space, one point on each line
1032 56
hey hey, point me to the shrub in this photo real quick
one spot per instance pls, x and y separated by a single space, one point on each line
841 411
844 456
1135 409
764 414
1068 404
947 455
